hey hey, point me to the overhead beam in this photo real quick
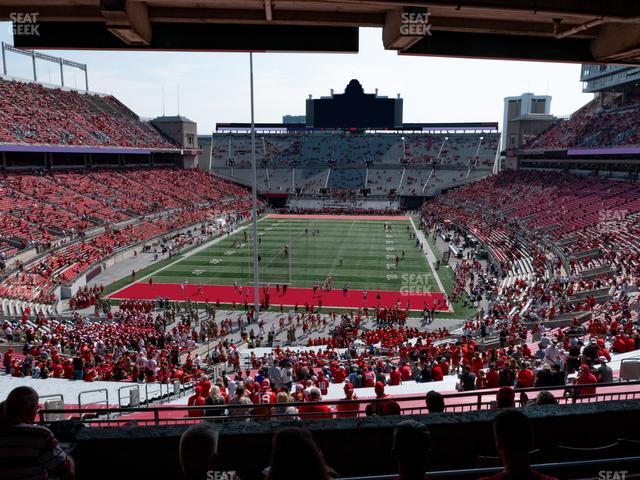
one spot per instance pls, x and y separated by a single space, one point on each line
268 13
404 27
197 37
617 43
128 20
504 47
278 16
496 26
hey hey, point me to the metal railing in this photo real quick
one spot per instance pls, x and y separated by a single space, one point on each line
129 389
577 468
408 405
86 392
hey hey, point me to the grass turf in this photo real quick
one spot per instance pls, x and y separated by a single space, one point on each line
367 251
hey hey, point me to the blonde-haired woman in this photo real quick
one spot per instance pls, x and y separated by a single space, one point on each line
283 410
215 399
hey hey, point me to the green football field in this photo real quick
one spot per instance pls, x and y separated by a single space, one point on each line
368 256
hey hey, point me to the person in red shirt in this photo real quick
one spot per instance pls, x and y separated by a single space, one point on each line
196 400
405 372
492 377
476 363
205 384
631 343
89 374
395 378
57 370
585 377
339 374
346 410
315 411
436 373
513 437
378 405
298 395
68 370
619 344
263 396
444 366
369 378
525 377
323 383
481 380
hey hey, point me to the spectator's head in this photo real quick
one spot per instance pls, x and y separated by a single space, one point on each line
348 389
411 446
295 454
21 405
545 397
282 397
505 398
198 451
379 389
240 391
315 395
435 402
513 435
215 392
391 408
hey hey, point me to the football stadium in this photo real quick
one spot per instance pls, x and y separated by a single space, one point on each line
369 290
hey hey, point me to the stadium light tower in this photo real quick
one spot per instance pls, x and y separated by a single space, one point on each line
478 151
441 147
254 201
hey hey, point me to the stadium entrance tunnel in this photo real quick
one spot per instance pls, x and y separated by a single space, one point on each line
457 441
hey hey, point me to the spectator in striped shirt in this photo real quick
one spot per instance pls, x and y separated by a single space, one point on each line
29 451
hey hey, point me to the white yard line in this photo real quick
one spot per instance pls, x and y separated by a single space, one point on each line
187 255
431 258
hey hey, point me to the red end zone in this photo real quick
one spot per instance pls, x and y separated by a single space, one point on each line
300 296
387 218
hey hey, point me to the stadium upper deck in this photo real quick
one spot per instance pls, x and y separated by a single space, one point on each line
56 223
402 162
34 114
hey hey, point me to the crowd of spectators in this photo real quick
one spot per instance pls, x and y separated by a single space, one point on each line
603 122
76 217
35 114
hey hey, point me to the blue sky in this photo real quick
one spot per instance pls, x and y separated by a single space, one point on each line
214 87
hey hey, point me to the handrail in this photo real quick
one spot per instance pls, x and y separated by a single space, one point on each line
554 467
130 387
476 403
106 401
146 392
54 395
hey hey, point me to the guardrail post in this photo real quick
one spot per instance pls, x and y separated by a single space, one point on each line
479 403
156 417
